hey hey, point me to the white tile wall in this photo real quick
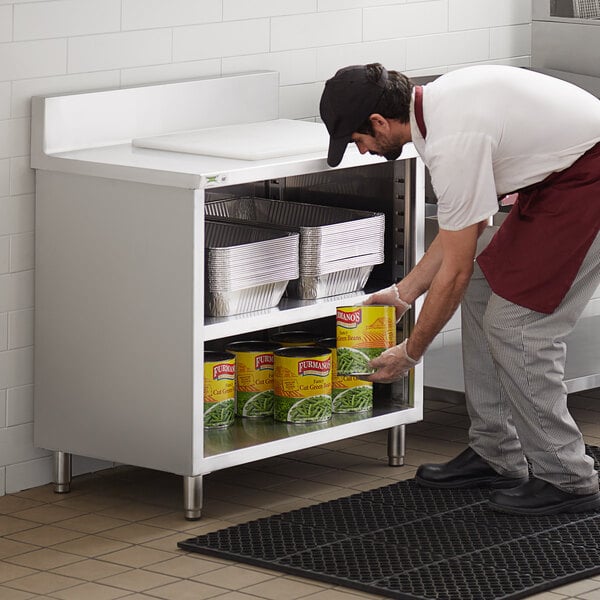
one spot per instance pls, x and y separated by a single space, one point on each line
510 41
22 176
16 214
2 408
3 339
6 23
55 46
242 9
220 39
451 48
64 18
19 405
318 29
405 20
146 14
21 60
4 259
119 50
473 14
20 327
4 99
341 4
4 177
22 252
294 66
16 445
16 368
14 137
29 473
391 53
16 292
171 72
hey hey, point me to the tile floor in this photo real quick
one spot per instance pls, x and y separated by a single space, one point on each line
114 535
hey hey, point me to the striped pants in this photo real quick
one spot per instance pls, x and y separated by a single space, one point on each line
514 361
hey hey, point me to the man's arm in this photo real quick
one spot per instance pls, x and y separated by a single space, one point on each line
445 270
455 252
419 280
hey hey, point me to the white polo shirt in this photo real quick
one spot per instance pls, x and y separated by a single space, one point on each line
492 130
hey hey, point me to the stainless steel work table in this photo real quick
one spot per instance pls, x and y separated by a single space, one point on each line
120 325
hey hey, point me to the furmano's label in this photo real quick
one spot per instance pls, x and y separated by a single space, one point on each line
349 318
318 368
219 382
223 371
263 361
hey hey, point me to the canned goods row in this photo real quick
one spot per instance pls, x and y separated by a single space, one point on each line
298 378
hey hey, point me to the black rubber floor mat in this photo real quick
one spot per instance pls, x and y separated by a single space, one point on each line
411 543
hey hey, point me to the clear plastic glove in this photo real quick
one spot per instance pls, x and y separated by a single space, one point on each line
390 297
392 365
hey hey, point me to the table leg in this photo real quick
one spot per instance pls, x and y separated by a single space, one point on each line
192 497
396 445
62 472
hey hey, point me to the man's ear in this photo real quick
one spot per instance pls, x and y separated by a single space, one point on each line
378 122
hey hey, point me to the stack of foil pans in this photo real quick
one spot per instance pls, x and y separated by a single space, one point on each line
247 268
338 246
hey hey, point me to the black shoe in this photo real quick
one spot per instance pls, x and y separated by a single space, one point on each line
467 470
537 497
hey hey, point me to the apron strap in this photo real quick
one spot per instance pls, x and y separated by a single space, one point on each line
419 110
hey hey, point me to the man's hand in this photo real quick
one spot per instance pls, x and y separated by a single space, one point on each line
389 296
392 365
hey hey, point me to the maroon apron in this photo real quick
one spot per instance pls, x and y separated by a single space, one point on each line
534 257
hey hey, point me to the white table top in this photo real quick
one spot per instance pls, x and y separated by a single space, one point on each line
193 171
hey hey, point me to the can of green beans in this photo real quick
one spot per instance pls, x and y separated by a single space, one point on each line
349 394
219 389
253 378
363 333
302 384
288 339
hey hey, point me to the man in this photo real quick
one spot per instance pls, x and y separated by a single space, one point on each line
485 132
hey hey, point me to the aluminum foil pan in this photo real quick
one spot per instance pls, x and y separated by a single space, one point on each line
326 233
239 256
341 265
280 212
224 304
330 284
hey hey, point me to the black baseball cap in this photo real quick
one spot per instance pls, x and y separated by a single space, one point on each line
347 101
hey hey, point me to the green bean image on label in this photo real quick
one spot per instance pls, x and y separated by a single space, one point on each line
363 333
219 389
255 404
306 410
355 399
253 377
353 360
302 383
350 394
219 414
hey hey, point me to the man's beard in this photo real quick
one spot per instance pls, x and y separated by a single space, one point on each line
393 154
391 151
